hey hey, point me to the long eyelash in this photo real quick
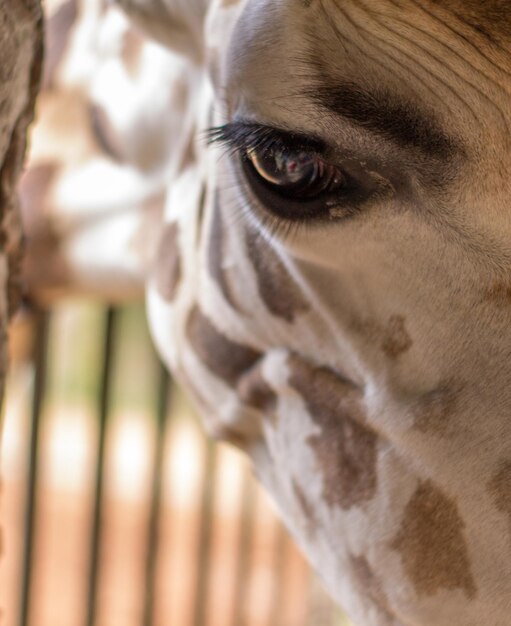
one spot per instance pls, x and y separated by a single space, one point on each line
246 137
242 137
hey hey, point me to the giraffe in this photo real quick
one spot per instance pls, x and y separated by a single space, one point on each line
92 195
331 277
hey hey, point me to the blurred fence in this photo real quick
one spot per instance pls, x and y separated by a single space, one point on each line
115 509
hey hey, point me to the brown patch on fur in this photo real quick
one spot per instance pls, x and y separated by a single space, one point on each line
58 32
500 489
434 409
369 586
168 263
305 508
216 252
226 359
345 450
279 292
105 134
431 544
253 390
131 52
499 293
395 338
392 337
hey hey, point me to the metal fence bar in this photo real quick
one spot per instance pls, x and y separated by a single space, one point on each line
103 409
205 536
153 528
40 363
247 515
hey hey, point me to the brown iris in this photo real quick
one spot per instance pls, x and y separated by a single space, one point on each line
295 174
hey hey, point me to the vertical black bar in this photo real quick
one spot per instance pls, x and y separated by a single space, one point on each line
103 407
40 364
205 536
153 529
244 549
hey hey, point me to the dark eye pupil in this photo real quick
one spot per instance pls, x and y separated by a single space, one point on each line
284 168
296 174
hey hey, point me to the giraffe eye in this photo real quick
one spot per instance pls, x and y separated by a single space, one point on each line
294 174
289 174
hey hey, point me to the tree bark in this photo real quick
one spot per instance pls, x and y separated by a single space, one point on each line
21 43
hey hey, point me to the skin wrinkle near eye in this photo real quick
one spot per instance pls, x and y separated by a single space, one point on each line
385 115
399 118
490 18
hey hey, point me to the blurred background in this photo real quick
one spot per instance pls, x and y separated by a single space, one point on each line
115 508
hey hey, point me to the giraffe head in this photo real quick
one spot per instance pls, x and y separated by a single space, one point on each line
333 280
341 302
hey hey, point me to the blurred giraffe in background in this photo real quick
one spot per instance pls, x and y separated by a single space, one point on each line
93 194
330 280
